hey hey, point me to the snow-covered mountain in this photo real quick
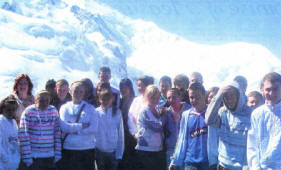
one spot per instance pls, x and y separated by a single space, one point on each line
73 39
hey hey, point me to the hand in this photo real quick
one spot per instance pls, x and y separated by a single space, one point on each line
85 125
163 111
136 136
172 167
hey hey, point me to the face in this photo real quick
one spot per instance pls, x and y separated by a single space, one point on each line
164 87
153 101
271 92
10 110
254 102
77 92
141 87
22 86
125 91
104 76
231 98
211 95
62 91
42 101
173 98
197 99
106 103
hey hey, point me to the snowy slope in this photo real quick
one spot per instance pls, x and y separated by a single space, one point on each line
72 39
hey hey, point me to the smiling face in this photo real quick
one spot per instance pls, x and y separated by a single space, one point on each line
10 110
197 99
173 98
22 86
62 91
77 92
271 92
141 87
104 76
231 98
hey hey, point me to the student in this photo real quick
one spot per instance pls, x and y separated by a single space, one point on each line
23 92
165 85
127 91
233 123
196 77
191 148
9 149
138 103
255 99
150 132
89 92
62 93
79 123
110 136
181 82
264 144
50 86
171 121
104 77
212 134
40 134
211 93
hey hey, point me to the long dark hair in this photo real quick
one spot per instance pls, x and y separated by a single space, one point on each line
128 83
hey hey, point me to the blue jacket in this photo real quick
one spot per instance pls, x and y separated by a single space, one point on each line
233 126
264 138
191 145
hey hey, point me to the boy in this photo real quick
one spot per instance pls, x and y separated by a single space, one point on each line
165 85
191 147
254 99
62 93
264 144
181 82
40 134
104 77
233 122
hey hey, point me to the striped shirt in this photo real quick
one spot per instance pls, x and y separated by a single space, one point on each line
40 134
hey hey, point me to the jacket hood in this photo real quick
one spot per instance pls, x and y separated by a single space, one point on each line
241 97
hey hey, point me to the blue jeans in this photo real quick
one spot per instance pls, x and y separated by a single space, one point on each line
196 166
106 160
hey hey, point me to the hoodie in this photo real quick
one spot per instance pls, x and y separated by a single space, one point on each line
233 126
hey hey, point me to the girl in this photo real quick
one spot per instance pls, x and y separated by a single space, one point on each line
110 136
128 94
79 126
150 132
22 90
9 150
172 120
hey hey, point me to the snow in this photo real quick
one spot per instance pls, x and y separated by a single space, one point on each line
73 39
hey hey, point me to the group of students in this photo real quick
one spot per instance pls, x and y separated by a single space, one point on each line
179 127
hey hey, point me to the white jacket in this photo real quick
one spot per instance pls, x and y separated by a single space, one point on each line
9 149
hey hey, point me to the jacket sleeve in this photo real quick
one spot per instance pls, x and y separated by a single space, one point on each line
93 120
68 127
182 143
252 145
57 135
212 117
24 138
120 142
